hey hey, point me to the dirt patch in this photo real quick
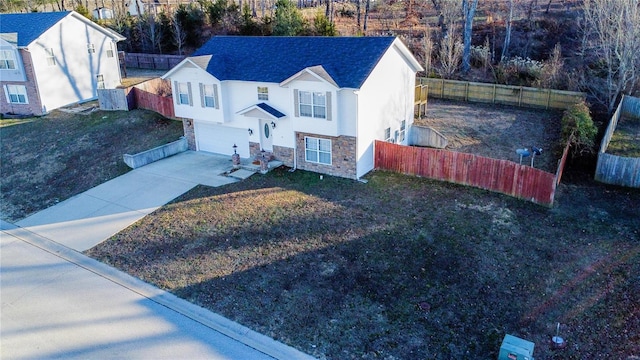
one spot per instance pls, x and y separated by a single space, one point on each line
626 139
400 267
496 131
48 159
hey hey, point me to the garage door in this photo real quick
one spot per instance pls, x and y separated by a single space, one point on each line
220 139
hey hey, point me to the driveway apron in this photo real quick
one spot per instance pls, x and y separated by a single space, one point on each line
89 218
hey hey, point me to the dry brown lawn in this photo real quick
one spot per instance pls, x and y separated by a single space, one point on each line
496 131
400 267
626 139
48 159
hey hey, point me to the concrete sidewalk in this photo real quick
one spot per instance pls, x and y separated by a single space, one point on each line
58 303
89 218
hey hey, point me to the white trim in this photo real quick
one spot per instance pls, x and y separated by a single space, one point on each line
318 151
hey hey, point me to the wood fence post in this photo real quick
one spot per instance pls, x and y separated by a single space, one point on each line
494 93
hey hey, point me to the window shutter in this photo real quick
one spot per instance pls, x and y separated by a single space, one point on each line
296 103
176 93
190 95
201 94
215 96
328 105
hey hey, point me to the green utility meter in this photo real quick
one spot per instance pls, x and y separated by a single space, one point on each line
514 348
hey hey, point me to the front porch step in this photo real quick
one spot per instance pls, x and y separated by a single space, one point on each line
241 174
256 168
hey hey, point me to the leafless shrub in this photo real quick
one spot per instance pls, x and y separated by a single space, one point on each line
450 54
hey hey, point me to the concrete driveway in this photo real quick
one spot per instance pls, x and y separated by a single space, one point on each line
87 219
59 304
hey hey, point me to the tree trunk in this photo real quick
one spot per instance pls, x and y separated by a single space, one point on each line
469 10
507 36
366 15
358 12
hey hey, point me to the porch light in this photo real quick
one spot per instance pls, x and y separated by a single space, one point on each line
250 132
234 148
273 125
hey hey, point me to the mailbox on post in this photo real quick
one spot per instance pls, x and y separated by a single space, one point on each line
514 348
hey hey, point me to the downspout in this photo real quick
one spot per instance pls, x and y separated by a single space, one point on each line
355 93
295 153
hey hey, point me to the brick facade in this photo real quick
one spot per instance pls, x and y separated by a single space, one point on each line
34 107
284 154
254 149
343 156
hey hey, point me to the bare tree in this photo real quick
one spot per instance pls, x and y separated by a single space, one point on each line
179 33
153 31
428 46
611 44
507 35
450 54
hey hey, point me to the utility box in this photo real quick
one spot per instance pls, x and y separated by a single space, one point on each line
514 348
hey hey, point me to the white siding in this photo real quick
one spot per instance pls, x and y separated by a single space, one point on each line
385 99
74 76
195 76
16 74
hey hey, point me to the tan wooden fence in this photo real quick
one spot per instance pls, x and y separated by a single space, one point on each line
501 94
501 176
420 101
613 169
115 99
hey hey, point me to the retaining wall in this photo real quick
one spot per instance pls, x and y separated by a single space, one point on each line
155 154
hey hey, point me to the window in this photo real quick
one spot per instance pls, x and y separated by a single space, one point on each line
100 81
387 135
400 137
317 150
51 59
110 51
7 59
263 93
17 94
313 104
91 48
208 96
184 93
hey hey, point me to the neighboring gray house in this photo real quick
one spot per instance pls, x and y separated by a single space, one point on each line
50 60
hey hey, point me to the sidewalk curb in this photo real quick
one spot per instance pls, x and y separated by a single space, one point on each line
203 316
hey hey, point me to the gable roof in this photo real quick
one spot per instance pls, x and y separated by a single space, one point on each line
29 26
347 60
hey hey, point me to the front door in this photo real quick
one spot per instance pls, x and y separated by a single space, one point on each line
266 135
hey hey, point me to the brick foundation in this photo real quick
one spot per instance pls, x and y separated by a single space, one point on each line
284 154
189 133
343 156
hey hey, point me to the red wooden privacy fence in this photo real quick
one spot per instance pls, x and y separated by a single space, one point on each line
501 176
155 102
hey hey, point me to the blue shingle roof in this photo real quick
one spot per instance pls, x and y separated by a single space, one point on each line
348 60
29 25
271 110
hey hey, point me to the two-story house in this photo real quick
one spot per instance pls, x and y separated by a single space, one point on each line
315 103
50 60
